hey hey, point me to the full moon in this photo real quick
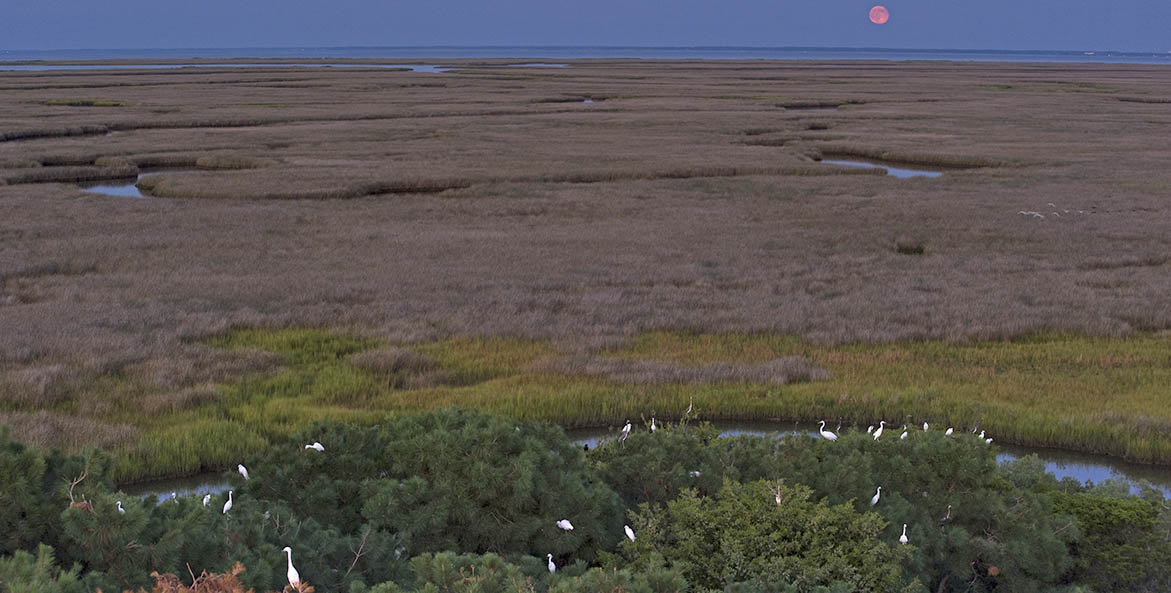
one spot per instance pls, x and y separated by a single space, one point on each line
879 15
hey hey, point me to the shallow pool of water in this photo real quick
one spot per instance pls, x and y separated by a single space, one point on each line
892 171
127 188
1082 467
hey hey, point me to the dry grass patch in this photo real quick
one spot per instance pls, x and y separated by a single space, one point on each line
779 371
47 430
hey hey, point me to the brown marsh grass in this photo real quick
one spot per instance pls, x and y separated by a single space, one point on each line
476 205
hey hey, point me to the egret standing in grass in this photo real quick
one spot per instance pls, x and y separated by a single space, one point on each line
825 434
874 501
206 499
904 435
552 567
625 432
228 505
294 576
948 431
924 427
903 537
316 446
629 532
652 423
565 524
870 429
878 432
243 470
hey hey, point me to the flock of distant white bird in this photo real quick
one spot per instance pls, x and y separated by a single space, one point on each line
829 435
564 524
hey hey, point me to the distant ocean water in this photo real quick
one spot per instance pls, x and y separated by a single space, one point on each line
563 52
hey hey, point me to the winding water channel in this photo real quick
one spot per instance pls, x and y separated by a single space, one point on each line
1062 464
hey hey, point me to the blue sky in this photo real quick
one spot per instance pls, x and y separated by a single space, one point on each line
1127 25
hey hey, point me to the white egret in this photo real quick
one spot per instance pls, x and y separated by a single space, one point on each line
206 499
695 474
565 524
316 446
228 505
924 426
175 496
825 434
870 430
988 440
874 501
878 432
625 432
120 509
552 567
652 423
903 537
690 405
947 516
243 470
294 576
981 434
948 431
629 532
904 435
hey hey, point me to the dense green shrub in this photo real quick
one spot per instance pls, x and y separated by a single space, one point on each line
25 573
743 535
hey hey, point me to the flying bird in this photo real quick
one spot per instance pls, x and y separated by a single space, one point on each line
565 524
903 537
243 470
629 532
874 501
228 505
294 576
825 434
316 446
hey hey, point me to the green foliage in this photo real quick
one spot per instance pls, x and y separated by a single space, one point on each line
654 467
24 573
1120 548
742 535
478 483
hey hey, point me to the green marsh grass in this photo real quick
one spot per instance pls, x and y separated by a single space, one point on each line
1097 395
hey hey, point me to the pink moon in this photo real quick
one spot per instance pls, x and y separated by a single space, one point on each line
879 15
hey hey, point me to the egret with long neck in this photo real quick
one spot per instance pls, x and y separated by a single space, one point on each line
294 576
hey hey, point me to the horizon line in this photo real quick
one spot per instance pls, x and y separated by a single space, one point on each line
619 47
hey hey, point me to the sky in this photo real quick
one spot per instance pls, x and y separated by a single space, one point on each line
1122 25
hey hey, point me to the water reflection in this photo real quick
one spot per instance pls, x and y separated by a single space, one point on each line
892 171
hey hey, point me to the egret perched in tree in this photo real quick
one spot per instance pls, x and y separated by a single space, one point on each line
695 474
294 576
228 505
948 431
825 434
947 516
690 405
878 432
120 509
206 499
625 432
552 567
316 446
629 532
903 537
652 423
565 524
924 426
243 470
874 501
